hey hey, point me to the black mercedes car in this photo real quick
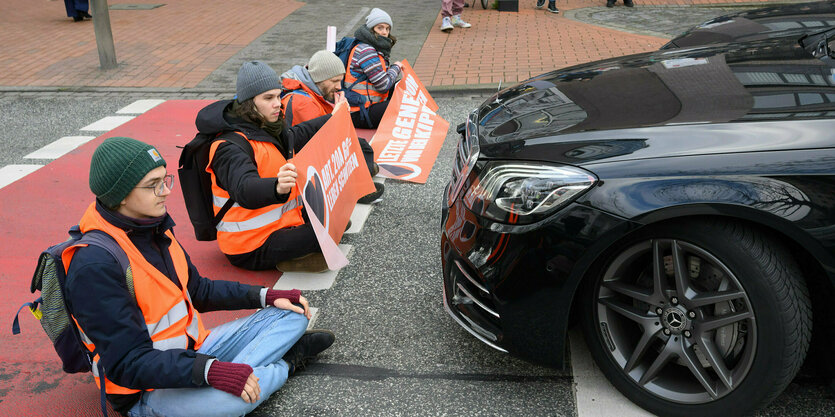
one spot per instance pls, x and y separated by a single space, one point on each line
785 20
679 205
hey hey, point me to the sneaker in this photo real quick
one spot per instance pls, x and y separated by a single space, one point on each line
552 7
374 197
312 262
610 3
458 21
311 343
540 3
628 3
446 25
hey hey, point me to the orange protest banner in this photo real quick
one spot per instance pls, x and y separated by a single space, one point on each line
332 175
411 133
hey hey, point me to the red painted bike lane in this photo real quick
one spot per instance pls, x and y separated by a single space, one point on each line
36 212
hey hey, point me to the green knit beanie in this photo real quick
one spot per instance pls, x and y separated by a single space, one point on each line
119 164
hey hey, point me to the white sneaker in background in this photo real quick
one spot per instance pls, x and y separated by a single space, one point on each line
446 25
457 21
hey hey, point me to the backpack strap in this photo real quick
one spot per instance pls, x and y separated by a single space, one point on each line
288 114
243 142
103 240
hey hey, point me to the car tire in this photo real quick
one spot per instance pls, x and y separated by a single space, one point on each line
696 365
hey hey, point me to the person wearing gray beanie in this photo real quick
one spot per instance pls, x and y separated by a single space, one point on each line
138 301
371 77
313 92
260 178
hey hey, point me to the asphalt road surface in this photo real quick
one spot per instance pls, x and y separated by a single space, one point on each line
397 352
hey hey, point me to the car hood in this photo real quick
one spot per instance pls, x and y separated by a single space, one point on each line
792 20
677 91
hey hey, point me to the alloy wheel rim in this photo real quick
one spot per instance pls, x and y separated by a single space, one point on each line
677 321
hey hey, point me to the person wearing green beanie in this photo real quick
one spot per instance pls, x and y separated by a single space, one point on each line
144 323
118 165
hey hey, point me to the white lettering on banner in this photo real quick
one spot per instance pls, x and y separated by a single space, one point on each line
343 161
413 126
411 85
392 151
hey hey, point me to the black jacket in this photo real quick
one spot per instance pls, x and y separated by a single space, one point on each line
100 301
235 171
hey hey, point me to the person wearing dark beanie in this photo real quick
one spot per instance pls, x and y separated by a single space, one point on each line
145 322
267 228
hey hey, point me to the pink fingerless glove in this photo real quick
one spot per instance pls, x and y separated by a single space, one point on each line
229 377
292 295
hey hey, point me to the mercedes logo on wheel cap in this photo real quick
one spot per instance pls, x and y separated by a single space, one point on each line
675 320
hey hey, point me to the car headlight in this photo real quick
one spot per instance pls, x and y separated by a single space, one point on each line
520 192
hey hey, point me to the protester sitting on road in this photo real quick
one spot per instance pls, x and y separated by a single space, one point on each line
310 92
267 227
369 62
145 324
552 5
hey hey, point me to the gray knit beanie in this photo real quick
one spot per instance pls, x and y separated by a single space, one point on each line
119 164
376 17
324 65
254 78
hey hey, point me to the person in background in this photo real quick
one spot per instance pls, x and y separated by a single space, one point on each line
451 15
145 324
627 3
77 9
552 5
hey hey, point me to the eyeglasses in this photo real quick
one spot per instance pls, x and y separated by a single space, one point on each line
166 182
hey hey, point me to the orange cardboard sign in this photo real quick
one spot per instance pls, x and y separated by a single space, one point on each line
411 133
332 175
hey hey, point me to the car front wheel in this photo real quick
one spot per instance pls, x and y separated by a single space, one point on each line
698 318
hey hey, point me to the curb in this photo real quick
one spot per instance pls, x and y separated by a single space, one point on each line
436 91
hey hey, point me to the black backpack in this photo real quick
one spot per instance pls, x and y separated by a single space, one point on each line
196 183
51 308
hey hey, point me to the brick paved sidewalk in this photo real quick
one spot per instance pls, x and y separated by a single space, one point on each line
181 43
511 47
176 45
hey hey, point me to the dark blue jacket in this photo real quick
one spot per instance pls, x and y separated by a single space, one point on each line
100 301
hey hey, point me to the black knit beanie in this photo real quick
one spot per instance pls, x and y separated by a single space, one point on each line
119 164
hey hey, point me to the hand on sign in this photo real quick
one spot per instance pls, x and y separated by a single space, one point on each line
286 178
339 103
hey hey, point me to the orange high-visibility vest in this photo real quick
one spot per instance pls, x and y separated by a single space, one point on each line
168 311
305 105
243 230
365 88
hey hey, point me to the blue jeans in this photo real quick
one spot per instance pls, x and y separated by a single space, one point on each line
259 340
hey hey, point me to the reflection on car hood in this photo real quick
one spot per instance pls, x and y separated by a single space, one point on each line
792 20
773 80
